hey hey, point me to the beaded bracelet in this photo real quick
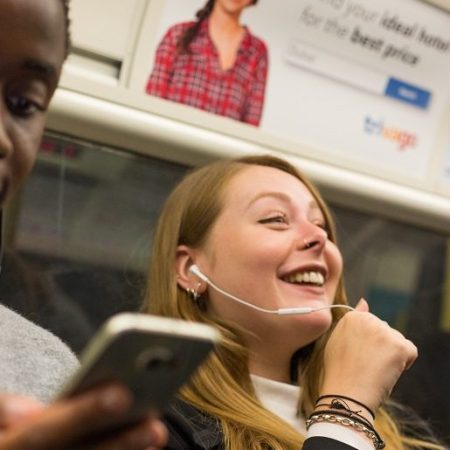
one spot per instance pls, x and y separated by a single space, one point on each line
343 419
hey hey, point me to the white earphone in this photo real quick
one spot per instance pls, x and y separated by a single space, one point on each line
281 311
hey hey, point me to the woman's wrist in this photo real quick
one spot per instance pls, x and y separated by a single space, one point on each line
348 412
345 404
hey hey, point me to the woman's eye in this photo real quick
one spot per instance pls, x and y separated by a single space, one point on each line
322 225
278 218
22 106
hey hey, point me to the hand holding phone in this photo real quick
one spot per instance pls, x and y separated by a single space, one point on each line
152 356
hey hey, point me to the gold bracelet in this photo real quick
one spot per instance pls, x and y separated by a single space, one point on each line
357 426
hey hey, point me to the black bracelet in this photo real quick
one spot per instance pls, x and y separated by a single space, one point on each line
338 396
338 404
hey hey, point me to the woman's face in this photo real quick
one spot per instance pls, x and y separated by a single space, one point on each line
32 50
269 247
232 7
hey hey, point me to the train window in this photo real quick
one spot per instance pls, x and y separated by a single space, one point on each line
404 273
77 235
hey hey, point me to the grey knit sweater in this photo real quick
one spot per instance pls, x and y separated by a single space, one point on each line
32 360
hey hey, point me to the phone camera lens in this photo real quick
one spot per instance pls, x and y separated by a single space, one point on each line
156 358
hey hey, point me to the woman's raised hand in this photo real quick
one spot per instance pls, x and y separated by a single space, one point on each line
365 357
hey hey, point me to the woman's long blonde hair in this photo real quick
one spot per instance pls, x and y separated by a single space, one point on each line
222 386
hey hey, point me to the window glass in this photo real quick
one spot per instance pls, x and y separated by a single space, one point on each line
404 273
78 235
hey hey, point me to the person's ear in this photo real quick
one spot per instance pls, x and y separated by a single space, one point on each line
185 258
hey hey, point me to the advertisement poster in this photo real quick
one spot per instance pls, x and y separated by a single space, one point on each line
365 84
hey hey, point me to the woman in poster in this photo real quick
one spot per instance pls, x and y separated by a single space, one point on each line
215 63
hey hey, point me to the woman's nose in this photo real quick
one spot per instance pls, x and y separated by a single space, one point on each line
314 239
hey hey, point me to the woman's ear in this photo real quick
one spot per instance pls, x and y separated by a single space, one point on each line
183 261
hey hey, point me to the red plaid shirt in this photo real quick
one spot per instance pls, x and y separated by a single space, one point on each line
197 79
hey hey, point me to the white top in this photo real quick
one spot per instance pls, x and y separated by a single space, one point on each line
282 400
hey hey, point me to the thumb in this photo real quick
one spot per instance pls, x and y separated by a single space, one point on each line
362 306
16 408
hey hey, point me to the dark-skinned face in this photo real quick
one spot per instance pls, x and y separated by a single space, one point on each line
32 51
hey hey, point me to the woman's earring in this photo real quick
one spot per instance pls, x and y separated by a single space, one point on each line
193 293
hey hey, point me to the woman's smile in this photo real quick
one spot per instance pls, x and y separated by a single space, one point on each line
270 247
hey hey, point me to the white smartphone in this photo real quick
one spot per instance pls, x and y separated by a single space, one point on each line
153 356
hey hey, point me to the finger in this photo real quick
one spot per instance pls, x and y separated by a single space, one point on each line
413 354
362 306
410 350
148 435
160 434
16 408
69 422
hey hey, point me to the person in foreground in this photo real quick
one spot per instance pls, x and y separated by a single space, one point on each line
236 241
34 38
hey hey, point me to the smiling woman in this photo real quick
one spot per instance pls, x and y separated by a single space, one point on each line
258 229
251 250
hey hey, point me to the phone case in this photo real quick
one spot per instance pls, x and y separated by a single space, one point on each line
153 356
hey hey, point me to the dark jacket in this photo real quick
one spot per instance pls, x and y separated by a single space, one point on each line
190 429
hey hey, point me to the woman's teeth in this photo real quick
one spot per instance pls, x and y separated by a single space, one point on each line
315 278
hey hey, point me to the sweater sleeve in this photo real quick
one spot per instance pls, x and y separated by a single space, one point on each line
34 361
